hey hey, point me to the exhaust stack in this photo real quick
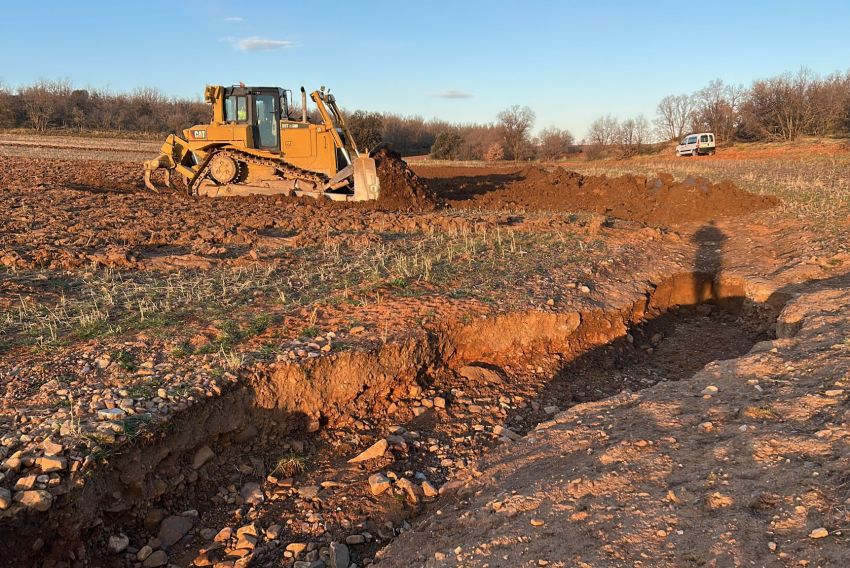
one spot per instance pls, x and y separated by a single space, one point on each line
303 105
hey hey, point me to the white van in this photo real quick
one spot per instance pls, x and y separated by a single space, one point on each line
701 143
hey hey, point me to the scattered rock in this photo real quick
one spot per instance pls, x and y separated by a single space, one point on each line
143 553
340 557
156 559
118 543
376 450
378 483
51 464
296 548
474 374
537 522
429 490
411 489
819 533
174 528
110 413
506 432
252 493
710 390
202 456
36 500
5 498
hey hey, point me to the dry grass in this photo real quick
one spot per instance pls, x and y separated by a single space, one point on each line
812 188
100 303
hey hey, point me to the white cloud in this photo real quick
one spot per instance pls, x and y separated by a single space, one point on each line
234 19
453 94
262 44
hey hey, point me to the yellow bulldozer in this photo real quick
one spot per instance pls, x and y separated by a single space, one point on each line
254 145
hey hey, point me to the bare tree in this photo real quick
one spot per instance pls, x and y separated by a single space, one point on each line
516 123
604 131
674 112
554 143
716 109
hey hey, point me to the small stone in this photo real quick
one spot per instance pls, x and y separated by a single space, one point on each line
223 535
110 413
296 548
173 528
429 490
537 522
143 553
24 483
710 390
706 427
376 450
551 410
156 559
51 448
378 483
202 456
252 493
339 555
37 500
819 533
355 539
411 489
584 289
450 486
51 464
507 432
118 543
273 532
771 546
439 402
5 498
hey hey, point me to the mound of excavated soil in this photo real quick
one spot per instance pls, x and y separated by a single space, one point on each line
401 188
655 201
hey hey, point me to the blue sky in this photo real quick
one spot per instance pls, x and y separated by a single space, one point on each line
462 61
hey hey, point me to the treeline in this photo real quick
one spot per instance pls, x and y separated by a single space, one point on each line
784 107
58 105
510 137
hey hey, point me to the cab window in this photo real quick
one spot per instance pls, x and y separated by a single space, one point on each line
235 109
703 138
692 140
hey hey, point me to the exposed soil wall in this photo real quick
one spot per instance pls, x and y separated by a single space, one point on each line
134 490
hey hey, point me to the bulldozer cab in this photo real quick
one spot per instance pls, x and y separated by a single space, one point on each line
259 107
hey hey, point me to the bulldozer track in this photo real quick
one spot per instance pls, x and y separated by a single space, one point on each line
281 167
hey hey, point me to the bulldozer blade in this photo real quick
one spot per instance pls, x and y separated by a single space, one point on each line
367 186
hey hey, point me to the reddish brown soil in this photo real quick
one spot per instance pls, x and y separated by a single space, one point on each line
401 188
655 201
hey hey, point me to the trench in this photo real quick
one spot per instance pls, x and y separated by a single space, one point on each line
511 371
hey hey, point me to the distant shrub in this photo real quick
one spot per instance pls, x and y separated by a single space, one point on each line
447 146
494 152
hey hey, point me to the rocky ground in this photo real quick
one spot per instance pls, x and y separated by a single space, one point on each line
187 381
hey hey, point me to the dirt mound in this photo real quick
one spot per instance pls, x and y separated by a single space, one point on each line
655 201
401 188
